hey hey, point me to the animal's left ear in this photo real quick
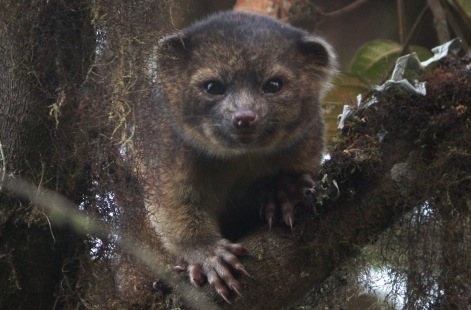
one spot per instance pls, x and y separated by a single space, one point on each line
318 50
172 46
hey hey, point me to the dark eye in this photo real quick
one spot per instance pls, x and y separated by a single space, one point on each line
214 88
272 86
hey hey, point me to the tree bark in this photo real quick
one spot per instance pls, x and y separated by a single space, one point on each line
287 265
395 155
43 50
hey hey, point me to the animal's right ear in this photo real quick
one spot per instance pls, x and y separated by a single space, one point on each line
172 46
318 51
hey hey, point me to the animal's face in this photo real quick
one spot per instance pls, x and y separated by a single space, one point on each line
244 85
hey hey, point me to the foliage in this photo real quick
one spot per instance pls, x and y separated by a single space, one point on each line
428 246
71 76
374 60
464 5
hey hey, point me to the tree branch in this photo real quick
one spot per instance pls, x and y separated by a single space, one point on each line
4 163
440 20
380 179
345 9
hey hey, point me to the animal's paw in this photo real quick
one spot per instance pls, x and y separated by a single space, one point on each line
284 193
217 263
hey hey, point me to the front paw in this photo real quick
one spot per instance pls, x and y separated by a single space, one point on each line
284 193
215 262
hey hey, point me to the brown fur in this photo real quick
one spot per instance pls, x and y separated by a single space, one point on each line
210 172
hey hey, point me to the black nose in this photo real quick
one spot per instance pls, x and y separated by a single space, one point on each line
244 119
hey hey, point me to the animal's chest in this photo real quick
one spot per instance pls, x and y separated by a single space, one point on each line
231 177
232 192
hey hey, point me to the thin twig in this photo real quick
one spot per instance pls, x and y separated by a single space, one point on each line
345 9
439 18
465 17
452 20
400 20
4 165
413 29
62 210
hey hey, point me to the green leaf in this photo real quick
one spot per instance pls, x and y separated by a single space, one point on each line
465 6
346 87
374 59
422 52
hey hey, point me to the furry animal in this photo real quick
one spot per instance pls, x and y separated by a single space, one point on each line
240 129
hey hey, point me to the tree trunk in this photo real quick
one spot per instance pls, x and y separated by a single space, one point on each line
44 50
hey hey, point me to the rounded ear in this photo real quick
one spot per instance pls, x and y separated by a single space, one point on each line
172 46
318 50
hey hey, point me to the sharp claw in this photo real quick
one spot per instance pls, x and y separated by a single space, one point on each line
307 180
309 192
289 221
179 268
180 265
223 295
194 282
242 269
235 289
